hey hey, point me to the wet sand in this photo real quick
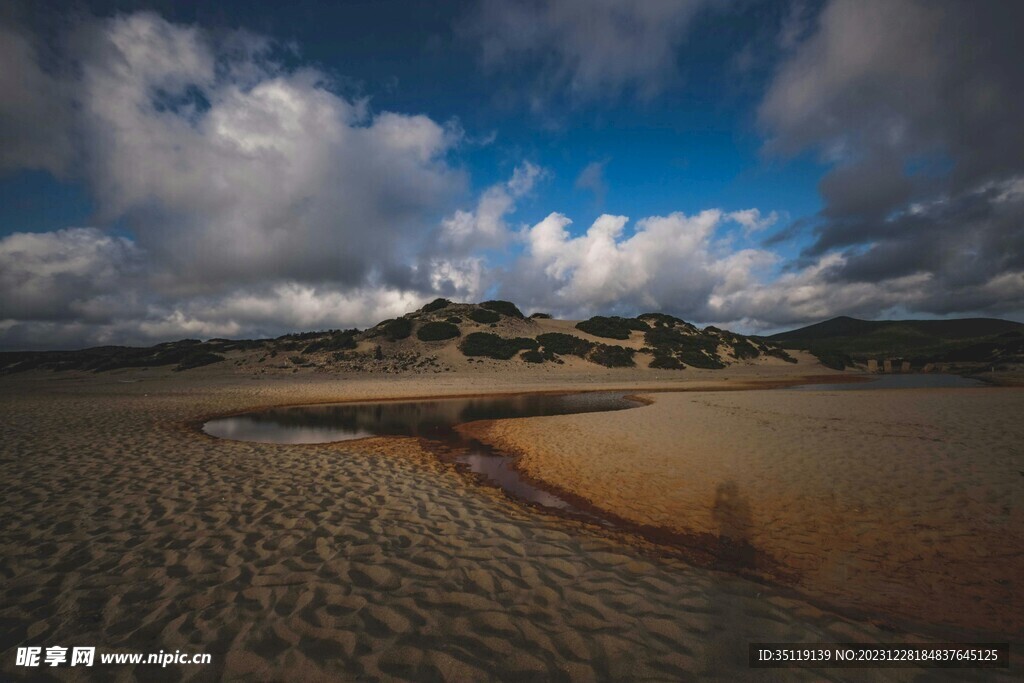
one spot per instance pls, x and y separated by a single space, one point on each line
902 504
126 528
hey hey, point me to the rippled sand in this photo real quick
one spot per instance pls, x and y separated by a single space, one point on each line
902 504
125 528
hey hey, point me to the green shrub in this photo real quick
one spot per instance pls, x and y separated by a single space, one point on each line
484 317
493 346
399 328
453 319
698 350
198 359
669 338
744 350
504 307
565 344
337 341
611 327
832 359
437 331
545 316
436 305
666 362
776 352
611 356
534 357
699 359
661 319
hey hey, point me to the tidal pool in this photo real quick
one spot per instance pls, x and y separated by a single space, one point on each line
432 419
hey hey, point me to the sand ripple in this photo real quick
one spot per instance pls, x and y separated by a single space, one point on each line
123 528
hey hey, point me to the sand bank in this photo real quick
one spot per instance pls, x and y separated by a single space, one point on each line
900 503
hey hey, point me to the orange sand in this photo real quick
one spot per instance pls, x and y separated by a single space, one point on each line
905 503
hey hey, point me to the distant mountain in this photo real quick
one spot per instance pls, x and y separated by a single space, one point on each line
973 340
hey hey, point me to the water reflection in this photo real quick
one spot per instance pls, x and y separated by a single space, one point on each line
434 420
913 381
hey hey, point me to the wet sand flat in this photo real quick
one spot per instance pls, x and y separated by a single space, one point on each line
906 503
125 528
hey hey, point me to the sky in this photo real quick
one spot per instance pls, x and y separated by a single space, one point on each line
245 169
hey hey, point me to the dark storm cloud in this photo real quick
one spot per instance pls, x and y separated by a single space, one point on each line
918 108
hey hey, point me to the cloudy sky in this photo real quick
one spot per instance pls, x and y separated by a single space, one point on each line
245 169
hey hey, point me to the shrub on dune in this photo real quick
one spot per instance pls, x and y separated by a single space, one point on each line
437 331
504 307
484 317
663 361
436 305
565 344
399 328
492 346
612 356
611 327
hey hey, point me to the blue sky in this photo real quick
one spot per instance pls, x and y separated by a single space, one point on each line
237 169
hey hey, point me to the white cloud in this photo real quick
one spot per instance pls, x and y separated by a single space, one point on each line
672 262
485 226
271 176
752 221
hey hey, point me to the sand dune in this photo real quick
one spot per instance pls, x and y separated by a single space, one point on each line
125 528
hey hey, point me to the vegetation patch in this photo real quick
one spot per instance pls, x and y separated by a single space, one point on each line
664 361
544 316
335 341
776 352
492 346
198 359
743 349
453 319
436 305
694 349
662 320
399 328
831 358
483 316
437 331
565 344
534 356
504 307
612 327
612 356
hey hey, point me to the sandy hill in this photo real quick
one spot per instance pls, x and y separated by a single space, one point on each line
443 336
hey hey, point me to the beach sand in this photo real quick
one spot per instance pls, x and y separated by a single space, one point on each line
903 503
125 528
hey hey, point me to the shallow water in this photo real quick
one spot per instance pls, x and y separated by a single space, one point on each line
911 381
434 420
